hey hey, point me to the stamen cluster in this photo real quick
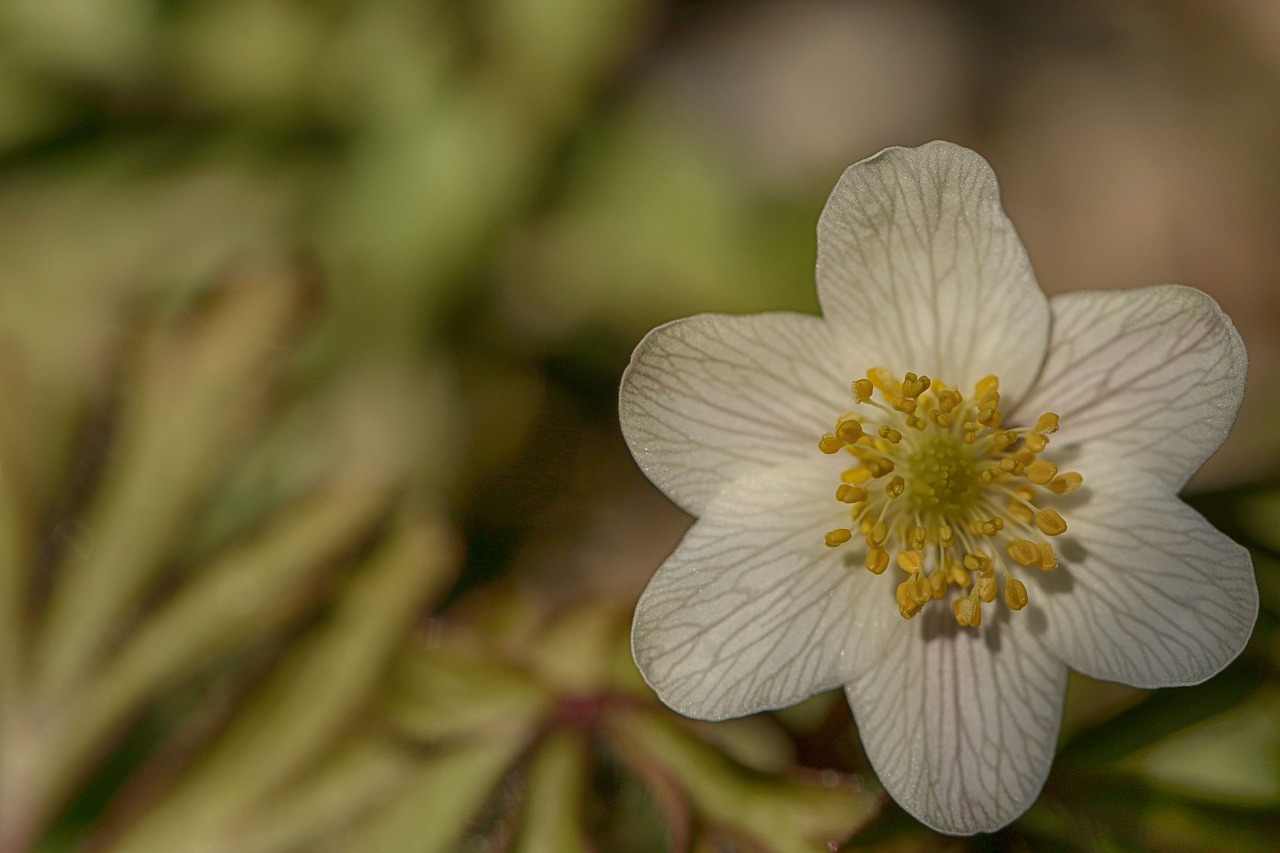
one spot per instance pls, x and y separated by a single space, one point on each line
942 490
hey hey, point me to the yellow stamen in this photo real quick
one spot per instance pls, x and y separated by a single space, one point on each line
1023 552
838 537
1050 522
964 497
987 588
1047 424
849 429
1066 483
829 444
848 494
1015 594
910 561
1041 472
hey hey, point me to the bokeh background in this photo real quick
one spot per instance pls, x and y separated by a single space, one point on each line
316 528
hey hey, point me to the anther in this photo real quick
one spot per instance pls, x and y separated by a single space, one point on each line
879 467
948 399
1041 472
917 538
1001 440
1035 442
890 434
913 386
910 562
946 536
987 588
906 405
938 584
829 444
878 534
988 527
849 429
855 476
838 537
959 576
1024 552
1048 423
848 494
1015 594
1066 483
877 561
1020 512
1050 523
977 562
1048 559
862 390
968 611
895 487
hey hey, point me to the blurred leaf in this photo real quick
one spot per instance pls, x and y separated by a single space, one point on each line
231 604
553 811
778 814
198 389
444 691
354 779
1163 713
1232 757
655 223
434 810
316 691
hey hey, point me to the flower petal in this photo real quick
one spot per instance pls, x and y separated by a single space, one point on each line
960 725
916 254
1157 374
1149 593
753 611
710 398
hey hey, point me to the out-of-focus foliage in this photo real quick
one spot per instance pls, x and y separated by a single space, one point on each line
111 607
220 625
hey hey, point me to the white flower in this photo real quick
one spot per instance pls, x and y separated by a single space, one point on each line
974 474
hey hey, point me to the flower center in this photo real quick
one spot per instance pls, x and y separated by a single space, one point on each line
942 475
937 483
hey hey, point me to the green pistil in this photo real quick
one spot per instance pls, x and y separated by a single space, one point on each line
941 477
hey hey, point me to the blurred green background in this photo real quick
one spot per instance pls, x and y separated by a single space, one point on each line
316 528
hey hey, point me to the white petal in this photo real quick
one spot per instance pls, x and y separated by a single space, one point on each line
915 253
1148 593
710 398
960 725
1155 374
753 611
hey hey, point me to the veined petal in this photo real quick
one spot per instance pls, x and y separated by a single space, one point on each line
1148 593
753 611
1156 375
710 398
916 254
960 725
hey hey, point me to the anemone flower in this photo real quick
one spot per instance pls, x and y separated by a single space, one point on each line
938 495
